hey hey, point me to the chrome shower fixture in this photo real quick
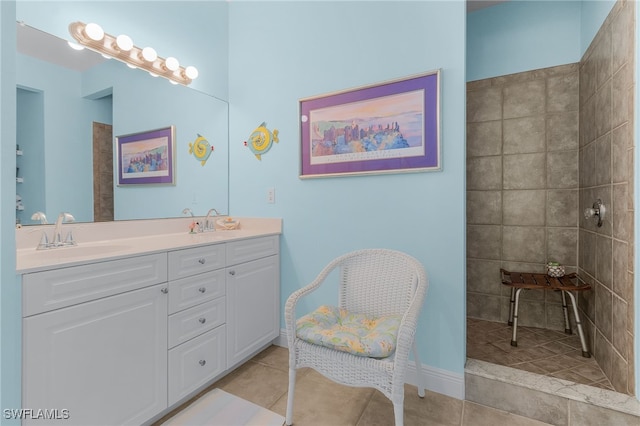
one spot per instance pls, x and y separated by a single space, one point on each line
598 210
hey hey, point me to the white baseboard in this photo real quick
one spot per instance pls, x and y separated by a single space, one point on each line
441 381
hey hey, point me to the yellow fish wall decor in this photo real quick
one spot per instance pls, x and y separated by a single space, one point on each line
261 140
201 149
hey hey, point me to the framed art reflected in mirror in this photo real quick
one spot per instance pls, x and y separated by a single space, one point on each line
146 158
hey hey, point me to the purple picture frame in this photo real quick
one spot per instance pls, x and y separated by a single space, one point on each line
146 158
390 127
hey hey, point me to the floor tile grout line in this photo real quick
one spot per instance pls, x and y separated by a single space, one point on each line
364 409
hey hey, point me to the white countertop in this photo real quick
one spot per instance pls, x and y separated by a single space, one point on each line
121 239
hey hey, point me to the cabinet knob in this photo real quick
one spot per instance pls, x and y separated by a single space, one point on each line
232 272
202 362
202 320
202 260
164 290
202 289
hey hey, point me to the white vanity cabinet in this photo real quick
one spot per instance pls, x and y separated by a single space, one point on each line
196 318
94 341
253 296
124 341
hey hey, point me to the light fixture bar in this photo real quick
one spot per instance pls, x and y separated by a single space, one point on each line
108 45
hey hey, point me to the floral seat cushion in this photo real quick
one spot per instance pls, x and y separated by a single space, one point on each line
358 334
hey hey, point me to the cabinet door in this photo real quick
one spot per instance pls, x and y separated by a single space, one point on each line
253 307
193 364
104 361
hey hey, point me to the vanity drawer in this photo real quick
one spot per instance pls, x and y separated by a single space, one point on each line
194 321
196 362
251 249
192 291
187 262
48 290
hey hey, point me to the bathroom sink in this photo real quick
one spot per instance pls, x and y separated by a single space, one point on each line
67 253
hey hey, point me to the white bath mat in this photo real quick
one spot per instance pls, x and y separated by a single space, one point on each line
219 408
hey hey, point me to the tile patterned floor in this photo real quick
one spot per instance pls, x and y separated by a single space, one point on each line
263 380
546 352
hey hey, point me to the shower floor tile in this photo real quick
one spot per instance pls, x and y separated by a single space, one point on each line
541 351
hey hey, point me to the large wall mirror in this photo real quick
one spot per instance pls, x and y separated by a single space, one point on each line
69 114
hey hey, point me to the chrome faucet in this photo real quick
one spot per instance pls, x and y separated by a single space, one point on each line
209 224
40 216
187 210
57 232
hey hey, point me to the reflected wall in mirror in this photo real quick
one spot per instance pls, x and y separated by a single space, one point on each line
59 103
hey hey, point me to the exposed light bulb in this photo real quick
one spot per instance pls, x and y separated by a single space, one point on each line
191 72
124 42
75 46
122 48
94 31
172 63
149 54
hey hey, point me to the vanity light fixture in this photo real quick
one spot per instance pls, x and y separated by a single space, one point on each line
122 48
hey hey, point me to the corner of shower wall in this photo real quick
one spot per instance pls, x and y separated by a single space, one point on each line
607 172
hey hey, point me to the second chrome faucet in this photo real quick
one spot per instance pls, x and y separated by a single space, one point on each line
208 224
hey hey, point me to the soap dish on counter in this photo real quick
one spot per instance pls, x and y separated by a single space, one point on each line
228 223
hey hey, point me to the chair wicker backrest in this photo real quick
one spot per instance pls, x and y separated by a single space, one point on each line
378 281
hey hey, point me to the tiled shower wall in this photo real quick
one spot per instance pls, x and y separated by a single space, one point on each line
522 188
542 146
606 173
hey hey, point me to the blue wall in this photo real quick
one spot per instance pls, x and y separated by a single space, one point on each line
281 52
10 309
520 36
592 15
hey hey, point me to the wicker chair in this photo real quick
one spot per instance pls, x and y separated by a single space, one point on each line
375 282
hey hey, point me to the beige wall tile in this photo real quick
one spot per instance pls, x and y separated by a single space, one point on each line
484 173
484 241
562 131
621 283
484 138
524 244
604 313
524 207
621 139
603 160
603 109
484 207
562 93
524 99
483 276
562 245
562 169
619 341
524 171
604 259
562 207
524 135
484 105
